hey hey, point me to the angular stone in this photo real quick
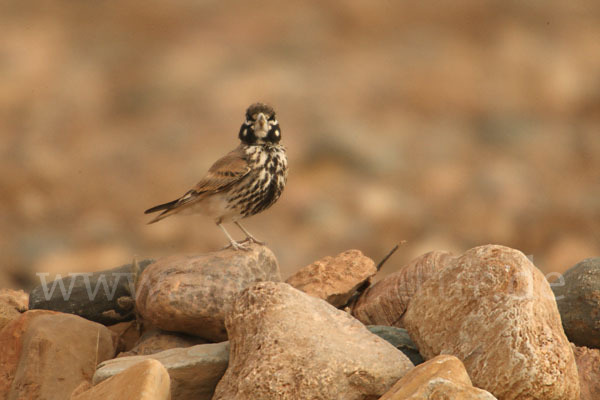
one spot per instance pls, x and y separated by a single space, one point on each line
286 344
147 380
104 296
128 334
495 311
588 366
46 355
155 341
192 294
579 302
12 304
442 377
194 371
334 279
385 302
400 339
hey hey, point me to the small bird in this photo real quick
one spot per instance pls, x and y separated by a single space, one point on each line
244 182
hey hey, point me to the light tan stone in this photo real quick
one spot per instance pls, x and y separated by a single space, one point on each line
385 302
286 344
12 304
147 380
588 367
192 294
334 279
495 311
46 355
442 377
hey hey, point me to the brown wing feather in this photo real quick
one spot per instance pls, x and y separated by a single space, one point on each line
223 173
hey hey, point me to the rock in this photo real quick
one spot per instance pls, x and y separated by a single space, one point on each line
442 377
192 294
579 302
155 341
194 371
12 304
104 296
400 339
335 279
286 344
45 354
495 311
588 366
128 334
147 380
385 302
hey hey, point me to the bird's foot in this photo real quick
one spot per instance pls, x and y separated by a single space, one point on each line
236 246
251 239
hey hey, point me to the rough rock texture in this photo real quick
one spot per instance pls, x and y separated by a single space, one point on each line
385 302
442 377
495 311
12 304
104 296
45 354
334 279
147 380
155 341
194 371
588 366
579 302
400 339
192 294
286 344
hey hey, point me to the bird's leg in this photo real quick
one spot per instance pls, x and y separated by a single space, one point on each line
232 243
249 237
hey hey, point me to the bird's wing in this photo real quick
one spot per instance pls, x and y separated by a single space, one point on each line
223 173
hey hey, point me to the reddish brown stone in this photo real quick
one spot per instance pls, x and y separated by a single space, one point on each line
385 302
154 341
46 355
588 366
334 279
495 311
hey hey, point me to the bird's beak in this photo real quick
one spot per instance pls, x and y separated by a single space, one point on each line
261 125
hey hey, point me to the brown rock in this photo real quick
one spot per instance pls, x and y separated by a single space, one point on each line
147 380
194 371
385 302
155 341
45 354
442 377
334 279
192 294
495 311
286 344
12 304
128 334
588 366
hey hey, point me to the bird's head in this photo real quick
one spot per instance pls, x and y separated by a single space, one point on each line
260 126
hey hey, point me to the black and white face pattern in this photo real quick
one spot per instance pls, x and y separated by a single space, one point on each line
260 126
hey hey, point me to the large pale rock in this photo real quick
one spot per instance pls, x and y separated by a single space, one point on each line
194 371
588 366
192 294
442 377
12 304
155 341
286 344
335 279
385 302
45 354
103 296
495 311
147 380
578 301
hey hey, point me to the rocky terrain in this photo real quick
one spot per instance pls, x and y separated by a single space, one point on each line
481 325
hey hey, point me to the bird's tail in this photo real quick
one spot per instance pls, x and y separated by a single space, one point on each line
165 208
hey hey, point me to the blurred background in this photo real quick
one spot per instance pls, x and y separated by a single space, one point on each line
448 124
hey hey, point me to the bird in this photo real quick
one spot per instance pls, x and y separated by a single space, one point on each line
244 182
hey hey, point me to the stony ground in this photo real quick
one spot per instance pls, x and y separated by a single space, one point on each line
448 125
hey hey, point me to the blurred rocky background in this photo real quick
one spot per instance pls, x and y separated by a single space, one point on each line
446 124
